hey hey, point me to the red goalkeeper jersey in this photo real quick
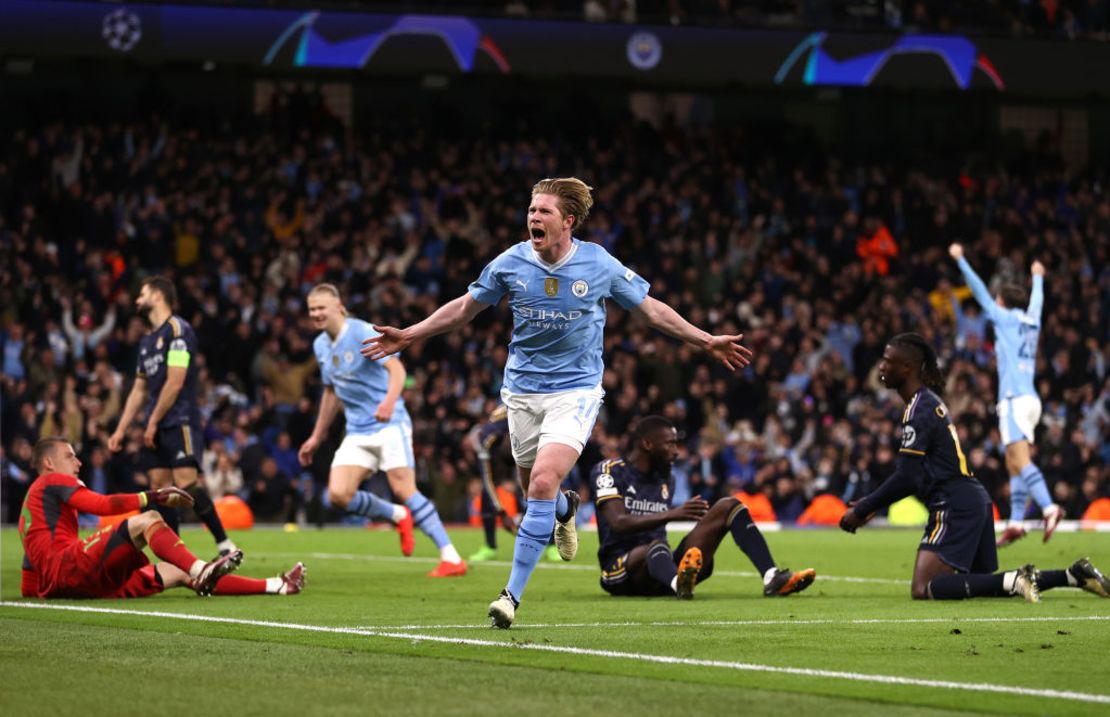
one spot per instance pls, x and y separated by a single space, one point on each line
48 521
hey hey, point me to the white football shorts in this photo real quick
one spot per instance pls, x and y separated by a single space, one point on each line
537 419
1018 418
387 449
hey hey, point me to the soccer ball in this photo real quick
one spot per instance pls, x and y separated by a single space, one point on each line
122 30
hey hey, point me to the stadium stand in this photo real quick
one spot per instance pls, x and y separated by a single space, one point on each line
736 230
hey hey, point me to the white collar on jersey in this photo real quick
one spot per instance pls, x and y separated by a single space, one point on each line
566 257
346 325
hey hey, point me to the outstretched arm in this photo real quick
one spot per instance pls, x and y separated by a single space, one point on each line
450 316
727 349
88 501
1036 297
978 288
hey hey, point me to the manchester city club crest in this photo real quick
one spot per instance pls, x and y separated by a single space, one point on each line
579 288
348 358
644 50
551 286
158 344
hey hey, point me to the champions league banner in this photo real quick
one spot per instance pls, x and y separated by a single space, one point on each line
375 44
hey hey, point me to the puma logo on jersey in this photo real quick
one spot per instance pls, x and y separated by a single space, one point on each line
524 284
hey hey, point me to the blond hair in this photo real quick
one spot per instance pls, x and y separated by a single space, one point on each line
574 197
331 290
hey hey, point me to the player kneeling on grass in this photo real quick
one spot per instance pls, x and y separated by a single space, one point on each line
633 497
110 562
957 556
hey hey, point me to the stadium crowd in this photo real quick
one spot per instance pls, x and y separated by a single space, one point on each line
816 261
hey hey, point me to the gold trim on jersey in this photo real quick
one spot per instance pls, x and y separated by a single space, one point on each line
909 407
610 464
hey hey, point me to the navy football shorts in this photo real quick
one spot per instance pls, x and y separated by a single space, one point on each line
963 537
618 579
176 447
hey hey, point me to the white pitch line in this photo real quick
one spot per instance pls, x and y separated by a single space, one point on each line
1089 697
744 623
550 566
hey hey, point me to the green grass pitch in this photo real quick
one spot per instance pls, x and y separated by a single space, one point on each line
372 635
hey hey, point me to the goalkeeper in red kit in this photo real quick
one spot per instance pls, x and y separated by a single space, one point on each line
110 562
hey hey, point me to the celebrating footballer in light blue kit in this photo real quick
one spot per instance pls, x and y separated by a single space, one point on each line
360 385
1017 327
379 430
1016 331
556 287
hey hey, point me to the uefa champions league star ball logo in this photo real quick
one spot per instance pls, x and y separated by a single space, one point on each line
122 30
644 50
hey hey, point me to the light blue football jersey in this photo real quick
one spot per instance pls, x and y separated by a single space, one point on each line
558 312
1015 334
360 383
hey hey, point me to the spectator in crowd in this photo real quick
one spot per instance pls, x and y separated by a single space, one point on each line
759 238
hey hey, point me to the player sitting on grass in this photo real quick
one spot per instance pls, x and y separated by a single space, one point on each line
110 563
634 507
957 556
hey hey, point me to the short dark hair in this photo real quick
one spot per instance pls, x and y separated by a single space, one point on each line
1014 295
164 287
43 448
649 424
